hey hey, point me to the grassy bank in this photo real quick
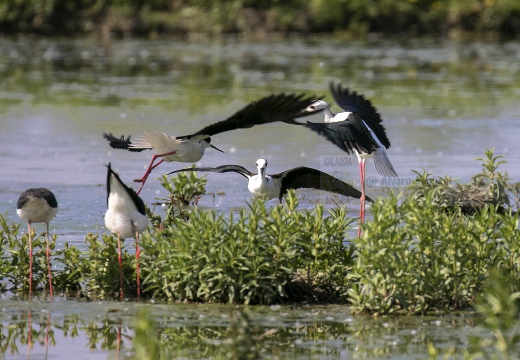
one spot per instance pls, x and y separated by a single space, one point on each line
185 17
429 248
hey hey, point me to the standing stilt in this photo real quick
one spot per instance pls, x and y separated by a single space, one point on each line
35 206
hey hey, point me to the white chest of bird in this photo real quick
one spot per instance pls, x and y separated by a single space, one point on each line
264 186
37 210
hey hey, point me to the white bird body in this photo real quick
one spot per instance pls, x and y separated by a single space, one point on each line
126 217
122 216
37 210
188 150
263 185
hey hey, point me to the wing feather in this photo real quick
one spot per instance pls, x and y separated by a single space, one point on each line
347 135
272 108
220 169
304 177
122 143
357 104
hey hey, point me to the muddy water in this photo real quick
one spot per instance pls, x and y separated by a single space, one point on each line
442 103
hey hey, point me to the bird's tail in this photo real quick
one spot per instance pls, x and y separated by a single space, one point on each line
383 164
121 142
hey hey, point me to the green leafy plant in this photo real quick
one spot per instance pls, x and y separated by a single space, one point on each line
99 268
183 189
15 257
500 310
423 252
245 257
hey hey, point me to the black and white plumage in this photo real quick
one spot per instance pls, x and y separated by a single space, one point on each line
126 217
275 186
359 121
358 129
191 148
37 205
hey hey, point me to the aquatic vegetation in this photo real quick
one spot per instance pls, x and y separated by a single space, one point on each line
249 257
14 257
422 252
426 249
500 310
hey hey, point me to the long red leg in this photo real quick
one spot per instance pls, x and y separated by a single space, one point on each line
151 166
147 173
362 199
120 259
137 265
49 261
30 257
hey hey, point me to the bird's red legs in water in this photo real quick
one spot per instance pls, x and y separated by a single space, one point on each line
30 257
48 251
362 209
120 260
137 265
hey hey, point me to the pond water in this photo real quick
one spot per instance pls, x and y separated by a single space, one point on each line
442 103
109 330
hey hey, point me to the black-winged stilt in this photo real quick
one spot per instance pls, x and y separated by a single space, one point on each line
126 217
190 148
358 129
275 186
37 205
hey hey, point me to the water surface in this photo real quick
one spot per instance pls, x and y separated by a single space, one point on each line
442 103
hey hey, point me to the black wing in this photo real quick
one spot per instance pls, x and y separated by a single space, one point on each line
347 135
121 143
220 169
304 177
357 104
42 193
272 108
139 203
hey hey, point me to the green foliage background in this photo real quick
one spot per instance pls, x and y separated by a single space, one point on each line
124 17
